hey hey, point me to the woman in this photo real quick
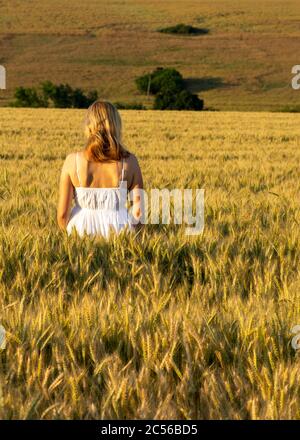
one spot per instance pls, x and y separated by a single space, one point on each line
98 176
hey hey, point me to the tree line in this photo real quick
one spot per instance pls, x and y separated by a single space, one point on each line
166 85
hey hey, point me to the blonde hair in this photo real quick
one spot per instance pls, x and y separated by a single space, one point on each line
103 128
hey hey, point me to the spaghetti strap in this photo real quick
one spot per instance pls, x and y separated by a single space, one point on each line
122 175
76 159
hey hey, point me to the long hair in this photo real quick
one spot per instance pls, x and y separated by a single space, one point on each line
103 128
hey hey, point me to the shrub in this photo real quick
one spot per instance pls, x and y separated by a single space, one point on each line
169 88
28 97
133 106
51 95
165 101
184 29
63 96
183 100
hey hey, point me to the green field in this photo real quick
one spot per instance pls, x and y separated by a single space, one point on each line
165 325
244 63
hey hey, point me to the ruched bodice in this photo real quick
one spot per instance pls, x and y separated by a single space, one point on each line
97 198
99 210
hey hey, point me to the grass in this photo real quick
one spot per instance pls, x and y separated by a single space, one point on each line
162 325
109 44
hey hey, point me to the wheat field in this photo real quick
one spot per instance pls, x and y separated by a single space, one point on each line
162 325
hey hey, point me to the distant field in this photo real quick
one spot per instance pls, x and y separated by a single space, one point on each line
166 326
244 63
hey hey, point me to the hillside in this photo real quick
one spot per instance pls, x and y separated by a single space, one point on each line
243 63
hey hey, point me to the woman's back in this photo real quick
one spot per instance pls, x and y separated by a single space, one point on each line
90 174
99 177
100 197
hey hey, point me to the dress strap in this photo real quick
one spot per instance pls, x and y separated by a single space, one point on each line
122 174
76 159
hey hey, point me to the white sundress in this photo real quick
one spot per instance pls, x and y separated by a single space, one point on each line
99 211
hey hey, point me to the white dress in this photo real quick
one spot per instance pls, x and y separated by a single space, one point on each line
99 211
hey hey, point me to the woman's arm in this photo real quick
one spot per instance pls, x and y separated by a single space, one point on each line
65 194
136 191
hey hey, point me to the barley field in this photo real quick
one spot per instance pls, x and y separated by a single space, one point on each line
162 325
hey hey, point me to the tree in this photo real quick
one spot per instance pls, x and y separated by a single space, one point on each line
51 95
28 97
184 100
160 79
63 96
169 89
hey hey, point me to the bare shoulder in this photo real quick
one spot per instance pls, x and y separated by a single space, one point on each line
69 161
70 156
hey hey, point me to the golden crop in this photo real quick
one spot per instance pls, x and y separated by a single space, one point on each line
164 325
